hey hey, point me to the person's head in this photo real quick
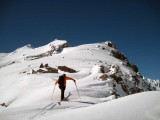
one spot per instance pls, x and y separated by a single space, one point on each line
64 75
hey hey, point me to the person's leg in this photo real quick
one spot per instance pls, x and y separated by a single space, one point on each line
62 92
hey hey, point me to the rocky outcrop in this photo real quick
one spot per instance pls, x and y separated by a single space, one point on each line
134 67
103 77
122 84
66 69
117 54
111 44
45 69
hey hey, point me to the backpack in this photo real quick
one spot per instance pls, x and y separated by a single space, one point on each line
61 80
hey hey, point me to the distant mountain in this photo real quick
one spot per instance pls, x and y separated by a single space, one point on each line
102 72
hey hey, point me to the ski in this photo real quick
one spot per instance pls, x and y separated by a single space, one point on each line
65 99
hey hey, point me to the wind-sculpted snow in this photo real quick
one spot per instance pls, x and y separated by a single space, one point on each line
54 47
26 87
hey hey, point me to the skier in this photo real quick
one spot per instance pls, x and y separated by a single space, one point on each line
62 84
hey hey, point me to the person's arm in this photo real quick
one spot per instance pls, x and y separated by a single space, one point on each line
69 78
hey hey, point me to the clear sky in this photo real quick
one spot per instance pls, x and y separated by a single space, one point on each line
133 25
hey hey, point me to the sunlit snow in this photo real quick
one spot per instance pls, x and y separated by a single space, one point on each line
100 77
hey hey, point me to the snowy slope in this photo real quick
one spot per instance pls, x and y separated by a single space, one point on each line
103 73
144 106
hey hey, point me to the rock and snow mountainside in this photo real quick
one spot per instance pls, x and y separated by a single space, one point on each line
152 84
102 73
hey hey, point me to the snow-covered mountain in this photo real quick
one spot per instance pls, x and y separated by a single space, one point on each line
152 84
102 72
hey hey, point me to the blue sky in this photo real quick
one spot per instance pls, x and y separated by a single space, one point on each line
133 25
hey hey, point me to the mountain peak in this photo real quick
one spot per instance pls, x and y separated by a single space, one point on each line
29 46
58 42
111 44
26 47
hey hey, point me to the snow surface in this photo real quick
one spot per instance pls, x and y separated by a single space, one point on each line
144 106
28 96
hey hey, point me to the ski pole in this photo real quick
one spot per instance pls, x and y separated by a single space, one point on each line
53 91
78 91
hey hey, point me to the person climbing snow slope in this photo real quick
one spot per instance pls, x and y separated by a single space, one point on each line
62 84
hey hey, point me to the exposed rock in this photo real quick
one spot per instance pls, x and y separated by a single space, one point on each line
134 67
40 71
66 69
125 88
135 80
100 47
46 69
119 55
99 69
104 69
103 77
34 72
134 90
115 93
46 65
115 70
111 44
51 70
41 66
118 80
38 56
114 84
